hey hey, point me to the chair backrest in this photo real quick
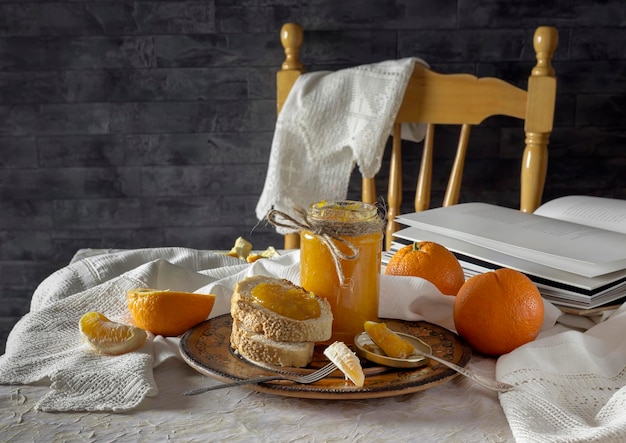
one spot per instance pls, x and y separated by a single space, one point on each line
459 99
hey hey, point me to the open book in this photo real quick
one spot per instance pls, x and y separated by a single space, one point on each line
599 212
573 247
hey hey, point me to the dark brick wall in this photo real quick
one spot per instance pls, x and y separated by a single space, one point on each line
148 123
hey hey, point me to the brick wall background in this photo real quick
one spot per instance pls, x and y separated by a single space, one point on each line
131 124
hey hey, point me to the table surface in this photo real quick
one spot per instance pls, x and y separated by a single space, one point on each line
455 411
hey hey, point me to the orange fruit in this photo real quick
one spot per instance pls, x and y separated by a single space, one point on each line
391 343
346 361
430 261
110 337
168 313
498 311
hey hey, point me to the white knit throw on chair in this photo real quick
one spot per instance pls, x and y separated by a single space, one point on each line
330 122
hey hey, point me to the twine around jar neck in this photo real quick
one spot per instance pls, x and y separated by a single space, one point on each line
329 232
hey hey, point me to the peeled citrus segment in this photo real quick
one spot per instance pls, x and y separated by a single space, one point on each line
346 361
241 249
110 337
268 253
391 343
168 313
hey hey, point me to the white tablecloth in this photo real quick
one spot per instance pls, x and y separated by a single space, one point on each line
456 411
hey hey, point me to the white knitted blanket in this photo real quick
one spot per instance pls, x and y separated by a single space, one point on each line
330 122
46 344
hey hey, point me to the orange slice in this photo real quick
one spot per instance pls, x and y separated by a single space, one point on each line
346 361
110 337
168 313
391 343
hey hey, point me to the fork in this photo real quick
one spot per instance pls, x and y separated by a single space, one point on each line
302 379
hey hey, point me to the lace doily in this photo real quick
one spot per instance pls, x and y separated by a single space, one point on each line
571 386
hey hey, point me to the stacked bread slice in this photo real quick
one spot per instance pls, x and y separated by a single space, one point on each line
269 324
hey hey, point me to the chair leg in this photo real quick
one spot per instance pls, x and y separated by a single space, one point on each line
292 241
422 191
456 175
394 192
534 169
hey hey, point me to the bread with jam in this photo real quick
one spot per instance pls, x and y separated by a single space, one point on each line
278 322
281 310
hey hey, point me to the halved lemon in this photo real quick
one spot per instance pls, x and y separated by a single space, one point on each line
346 361
110 337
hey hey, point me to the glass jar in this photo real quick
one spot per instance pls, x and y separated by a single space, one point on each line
355 229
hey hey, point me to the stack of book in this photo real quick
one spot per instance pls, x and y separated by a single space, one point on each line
573 248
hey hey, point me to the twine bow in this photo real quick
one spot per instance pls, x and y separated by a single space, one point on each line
326 231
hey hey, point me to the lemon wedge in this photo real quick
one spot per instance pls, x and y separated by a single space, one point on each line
346 361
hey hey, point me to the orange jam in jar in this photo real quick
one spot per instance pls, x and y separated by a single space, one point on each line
355 229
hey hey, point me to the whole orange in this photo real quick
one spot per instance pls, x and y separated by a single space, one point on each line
430 261
498 311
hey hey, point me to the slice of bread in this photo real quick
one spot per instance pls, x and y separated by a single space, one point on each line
254 317
258 348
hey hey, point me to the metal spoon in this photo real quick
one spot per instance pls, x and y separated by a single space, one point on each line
364 346
487 382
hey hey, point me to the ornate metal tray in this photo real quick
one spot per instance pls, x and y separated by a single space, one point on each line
206 348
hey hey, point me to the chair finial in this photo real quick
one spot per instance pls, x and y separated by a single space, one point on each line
545 42
291 37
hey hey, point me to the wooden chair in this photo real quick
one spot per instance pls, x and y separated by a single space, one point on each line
459 99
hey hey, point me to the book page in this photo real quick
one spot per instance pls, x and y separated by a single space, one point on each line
600 212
